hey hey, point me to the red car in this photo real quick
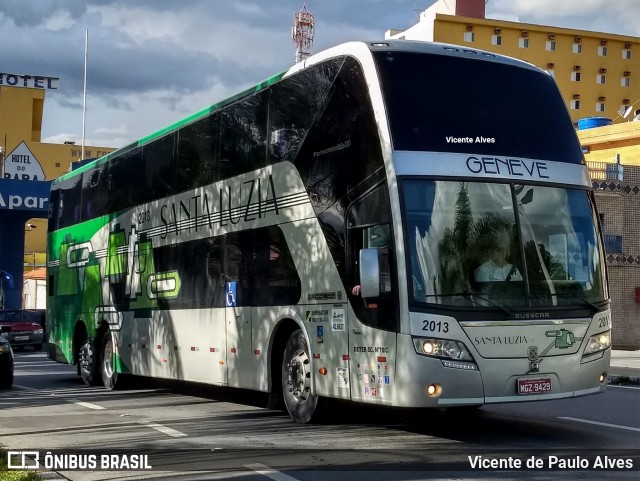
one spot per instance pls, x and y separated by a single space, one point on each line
25 327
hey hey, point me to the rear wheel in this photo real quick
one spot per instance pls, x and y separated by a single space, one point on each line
107 368
297 379
88 363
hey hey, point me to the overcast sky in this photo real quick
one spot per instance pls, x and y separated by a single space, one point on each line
153 62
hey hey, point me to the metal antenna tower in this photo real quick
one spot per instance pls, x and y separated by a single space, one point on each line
302 32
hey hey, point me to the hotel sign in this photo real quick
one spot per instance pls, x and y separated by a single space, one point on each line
29 81
21 164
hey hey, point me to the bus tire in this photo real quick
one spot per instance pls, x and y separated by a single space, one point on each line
297 379
88 363
107 369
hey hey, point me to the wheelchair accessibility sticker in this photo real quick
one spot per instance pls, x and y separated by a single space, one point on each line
230 288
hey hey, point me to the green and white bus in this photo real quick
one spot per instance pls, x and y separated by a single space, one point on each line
395 223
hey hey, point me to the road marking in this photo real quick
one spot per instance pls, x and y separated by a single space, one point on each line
268 472
86 405
164 429
27 388
629 428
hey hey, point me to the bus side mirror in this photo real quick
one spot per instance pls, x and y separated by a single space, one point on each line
369 273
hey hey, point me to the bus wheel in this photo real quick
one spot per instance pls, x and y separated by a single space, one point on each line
296 379
88 363
107 371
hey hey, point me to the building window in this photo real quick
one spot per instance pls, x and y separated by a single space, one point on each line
577 48
601 78
602 51
575 105
625 81
523 42
575 76
551 45
469 36
496 39
613 243
600 107
626 54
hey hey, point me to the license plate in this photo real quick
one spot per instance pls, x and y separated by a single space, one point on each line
21 338
534 386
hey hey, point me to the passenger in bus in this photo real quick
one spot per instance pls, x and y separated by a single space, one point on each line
497 267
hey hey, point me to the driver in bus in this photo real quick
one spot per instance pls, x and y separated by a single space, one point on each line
496 267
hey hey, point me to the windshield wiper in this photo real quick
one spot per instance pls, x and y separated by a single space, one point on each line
596 306
476 296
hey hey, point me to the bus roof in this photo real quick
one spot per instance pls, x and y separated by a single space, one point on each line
355 49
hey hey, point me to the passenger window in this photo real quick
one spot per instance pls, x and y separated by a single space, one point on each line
243 134
197 154
94 186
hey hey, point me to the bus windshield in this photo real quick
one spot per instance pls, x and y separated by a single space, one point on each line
501 245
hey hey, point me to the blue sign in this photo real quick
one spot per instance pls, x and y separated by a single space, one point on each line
25 195
230 288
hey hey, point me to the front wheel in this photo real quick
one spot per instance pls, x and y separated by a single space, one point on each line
297 379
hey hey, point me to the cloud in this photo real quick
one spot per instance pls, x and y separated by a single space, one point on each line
153 62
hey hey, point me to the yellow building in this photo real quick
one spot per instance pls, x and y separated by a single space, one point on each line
611 143
23 155
597 73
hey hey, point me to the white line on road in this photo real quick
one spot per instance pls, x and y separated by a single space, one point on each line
269 473
164 429
617 426
19 386
87 405
74 401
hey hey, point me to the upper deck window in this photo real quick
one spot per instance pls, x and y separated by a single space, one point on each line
432 100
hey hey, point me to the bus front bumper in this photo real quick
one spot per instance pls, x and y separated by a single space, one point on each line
429 383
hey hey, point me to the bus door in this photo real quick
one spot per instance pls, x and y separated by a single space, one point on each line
372 331
238 254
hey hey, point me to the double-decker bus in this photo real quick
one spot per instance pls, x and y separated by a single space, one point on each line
395 223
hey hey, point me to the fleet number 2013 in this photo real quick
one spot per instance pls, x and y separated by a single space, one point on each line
435 326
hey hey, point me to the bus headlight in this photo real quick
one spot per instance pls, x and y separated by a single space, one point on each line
598 343
442 348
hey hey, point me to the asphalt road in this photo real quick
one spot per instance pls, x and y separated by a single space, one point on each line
201 432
